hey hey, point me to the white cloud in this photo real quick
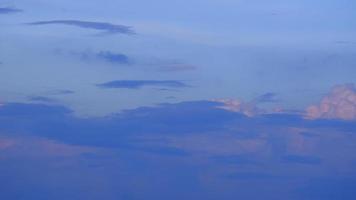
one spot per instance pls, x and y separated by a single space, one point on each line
249 109
340 103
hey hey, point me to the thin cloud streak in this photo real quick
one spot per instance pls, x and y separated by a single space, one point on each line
9 10
137 84
107 27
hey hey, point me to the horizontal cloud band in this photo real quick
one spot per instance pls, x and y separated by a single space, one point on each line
8 10
110 28
137 84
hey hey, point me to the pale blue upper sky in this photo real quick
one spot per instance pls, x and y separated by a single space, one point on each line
223 49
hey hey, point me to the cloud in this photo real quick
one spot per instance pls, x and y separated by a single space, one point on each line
105 56
9 10
113 57
60 92
107 27
174 66
137 84
266 98
247 108
340 103
41 99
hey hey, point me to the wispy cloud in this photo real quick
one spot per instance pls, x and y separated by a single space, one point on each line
137 84
249 108
92 56
168 65
9 10
265 98
60 92
115 58
175 67
41 99
107 27
234 105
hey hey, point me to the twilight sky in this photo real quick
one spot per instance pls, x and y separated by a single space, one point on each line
165 99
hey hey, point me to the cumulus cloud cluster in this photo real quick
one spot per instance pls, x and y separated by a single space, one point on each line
340 103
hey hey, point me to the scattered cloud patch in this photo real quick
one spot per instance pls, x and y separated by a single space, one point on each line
168 65
248 108
106 27
233 105
266 98
60 92
104 56
113 57
137 84
340 103
9 10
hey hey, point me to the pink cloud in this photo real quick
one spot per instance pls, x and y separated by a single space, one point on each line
340 103
249 109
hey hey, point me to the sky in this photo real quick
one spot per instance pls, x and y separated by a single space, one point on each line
213 99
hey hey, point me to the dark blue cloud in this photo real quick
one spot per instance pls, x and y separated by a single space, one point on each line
137 84
107 27
265 98
57 122
173 146
9 10
105 56
61 92
113 57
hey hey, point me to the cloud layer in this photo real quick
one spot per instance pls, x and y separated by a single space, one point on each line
340 103
137 84
107 27
9 10
172 146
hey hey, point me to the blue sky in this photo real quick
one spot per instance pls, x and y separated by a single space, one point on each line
177 100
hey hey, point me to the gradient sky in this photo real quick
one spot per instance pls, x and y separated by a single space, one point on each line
199 99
